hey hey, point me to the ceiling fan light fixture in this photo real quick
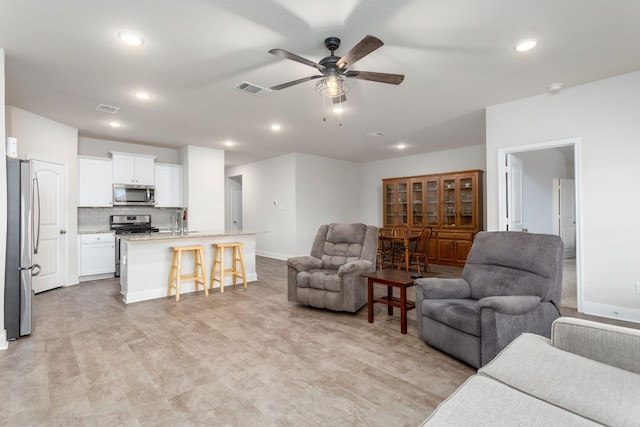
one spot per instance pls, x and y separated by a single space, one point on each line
332 85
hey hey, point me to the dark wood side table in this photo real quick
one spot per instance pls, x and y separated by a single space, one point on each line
392 279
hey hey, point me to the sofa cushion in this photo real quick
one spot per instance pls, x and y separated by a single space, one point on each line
595 390
461 314
343 244
319 279
481 401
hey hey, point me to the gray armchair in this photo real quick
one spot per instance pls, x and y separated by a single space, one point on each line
511 283
330 276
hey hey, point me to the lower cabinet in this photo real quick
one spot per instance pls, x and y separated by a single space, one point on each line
453 248
97 254
448 247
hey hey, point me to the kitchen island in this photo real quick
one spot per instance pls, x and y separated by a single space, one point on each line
146 260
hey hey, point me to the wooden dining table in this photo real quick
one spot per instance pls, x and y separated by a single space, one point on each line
404 241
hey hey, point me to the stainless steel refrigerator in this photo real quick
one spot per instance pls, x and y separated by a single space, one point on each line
23 230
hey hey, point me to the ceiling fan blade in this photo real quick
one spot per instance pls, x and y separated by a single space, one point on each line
359 51
394 79
288 55
295 82
340 99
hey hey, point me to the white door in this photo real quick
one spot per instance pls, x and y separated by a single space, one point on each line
50 183
564 208
514 221
236 208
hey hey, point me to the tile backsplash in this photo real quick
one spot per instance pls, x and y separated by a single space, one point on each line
98 218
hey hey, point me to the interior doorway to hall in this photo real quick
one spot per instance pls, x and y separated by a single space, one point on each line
233 217
539 193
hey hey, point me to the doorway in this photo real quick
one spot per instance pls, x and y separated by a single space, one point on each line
541 165
234 202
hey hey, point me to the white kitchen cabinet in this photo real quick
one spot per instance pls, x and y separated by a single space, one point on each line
135 169
168 186
94 182
97 253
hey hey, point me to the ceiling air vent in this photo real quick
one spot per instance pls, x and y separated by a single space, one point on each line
374 134
252 89
107 108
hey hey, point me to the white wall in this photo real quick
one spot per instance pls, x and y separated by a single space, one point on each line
327 190
3 212
101 148
372 173
203 189
604 114
540 168
44 139
268 204
312 190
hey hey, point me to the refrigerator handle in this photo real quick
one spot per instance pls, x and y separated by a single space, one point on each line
36 195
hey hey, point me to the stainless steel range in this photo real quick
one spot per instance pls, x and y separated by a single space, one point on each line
129 224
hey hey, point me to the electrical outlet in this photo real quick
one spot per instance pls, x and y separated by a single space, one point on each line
638 288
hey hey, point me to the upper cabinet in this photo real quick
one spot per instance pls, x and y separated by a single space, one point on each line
94 182
135 169
168 185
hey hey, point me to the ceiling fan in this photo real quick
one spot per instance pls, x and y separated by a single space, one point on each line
333 69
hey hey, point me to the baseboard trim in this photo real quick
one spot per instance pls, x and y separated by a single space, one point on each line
131 297
93 277
611 311
274 255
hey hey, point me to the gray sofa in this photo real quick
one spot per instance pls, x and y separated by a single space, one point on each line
588 373
511 284
330 277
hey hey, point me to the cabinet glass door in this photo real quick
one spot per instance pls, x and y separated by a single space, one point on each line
449 202
417 199
431 209
403 203
465 202
390 205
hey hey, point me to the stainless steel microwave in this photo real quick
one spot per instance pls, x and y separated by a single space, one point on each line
134 195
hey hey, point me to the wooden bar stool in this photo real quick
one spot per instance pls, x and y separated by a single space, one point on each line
198 275
218 264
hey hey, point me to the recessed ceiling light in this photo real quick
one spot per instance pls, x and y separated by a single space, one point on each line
526 45
401 146
142 95
339 110
130 38
554 87
229 143
114 124
275 127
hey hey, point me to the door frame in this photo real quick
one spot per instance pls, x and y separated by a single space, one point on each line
502 193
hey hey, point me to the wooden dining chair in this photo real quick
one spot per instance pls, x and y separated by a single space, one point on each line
421 250
385 248
397 248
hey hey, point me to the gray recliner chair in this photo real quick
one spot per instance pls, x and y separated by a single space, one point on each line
511 283
330 276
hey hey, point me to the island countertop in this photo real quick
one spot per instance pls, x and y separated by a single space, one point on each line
170 235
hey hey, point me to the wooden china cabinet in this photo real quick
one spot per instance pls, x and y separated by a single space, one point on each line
451 204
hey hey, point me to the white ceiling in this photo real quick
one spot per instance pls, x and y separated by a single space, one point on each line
63 59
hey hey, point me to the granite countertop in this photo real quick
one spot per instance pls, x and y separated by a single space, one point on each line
169 235
94 231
